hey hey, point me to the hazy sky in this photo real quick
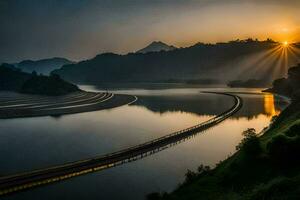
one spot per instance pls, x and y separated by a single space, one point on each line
80 29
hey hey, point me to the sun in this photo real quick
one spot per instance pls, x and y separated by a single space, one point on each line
285 44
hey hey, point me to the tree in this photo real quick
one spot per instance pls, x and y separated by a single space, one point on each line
250 143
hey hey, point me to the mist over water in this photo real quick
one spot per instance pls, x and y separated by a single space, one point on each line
266 65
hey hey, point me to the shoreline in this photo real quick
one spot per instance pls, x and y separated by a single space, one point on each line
21 106
243 174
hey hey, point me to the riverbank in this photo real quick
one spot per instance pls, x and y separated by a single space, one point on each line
265 167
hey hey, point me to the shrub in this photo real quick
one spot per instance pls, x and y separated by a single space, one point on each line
250 144
201 171
190 176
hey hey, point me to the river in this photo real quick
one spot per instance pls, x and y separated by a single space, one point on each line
30 143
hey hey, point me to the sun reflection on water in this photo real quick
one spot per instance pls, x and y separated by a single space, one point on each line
269 105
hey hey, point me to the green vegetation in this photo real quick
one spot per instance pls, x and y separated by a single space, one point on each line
13 79
266 167
250 144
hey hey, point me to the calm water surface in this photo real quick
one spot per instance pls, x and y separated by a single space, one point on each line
31 143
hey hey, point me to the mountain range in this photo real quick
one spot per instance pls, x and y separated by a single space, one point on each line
43 66
240 59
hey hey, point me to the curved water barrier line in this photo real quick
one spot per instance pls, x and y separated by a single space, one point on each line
22 181
79 102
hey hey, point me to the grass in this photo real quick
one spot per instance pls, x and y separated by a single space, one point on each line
247 176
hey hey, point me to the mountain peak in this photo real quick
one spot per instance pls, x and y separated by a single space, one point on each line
158 43
156 46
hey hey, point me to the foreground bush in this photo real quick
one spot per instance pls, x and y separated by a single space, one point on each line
250 144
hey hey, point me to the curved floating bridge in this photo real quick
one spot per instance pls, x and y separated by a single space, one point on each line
22 181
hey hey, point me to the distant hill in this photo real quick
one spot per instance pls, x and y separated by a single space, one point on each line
289 86
221 61
44 66
156 46
13 79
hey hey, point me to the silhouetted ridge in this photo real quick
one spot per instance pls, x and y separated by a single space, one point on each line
44 66
221 61
13 79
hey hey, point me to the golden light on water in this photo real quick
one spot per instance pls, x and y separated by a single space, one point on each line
269 105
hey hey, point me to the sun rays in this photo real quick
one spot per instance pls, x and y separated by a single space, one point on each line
280 60
272 63
290 54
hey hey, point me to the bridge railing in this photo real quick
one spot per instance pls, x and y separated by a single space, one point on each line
209 122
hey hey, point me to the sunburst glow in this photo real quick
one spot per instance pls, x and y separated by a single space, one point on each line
274 62
285 43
